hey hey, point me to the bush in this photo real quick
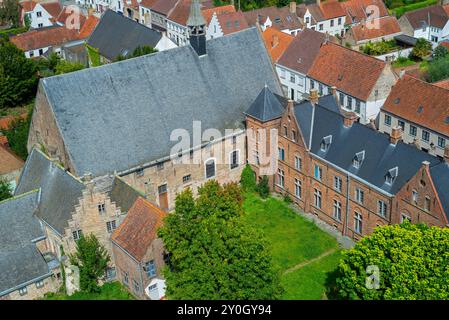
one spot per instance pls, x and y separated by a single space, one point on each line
248 179
422 49
5 190
440 52
17 135
263 188
402 261
438 69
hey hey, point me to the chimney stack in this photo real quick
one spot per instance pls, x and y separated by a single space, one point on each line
401 73
275 41
349 118
446 154
313 96
334 91
396 135
292 6
372 123
290 104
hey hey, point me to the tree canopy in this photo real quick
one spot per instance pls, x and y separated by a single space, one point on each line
213 253
5 190
405 261
9 12
92 260
422 49
18 76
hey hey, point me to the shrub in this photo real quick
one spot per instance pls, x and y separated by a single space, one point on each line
248 179
263 188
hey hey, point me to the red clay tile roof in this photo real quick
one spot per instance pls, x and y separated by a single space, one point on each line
302 51
356 9
438 17
232 22
139 228
332 9
420 102
276 42
446 8
44 37
148 3
287 20
181 12
65 13
53 8
6 121
444 44
88 27
370 30
9 162
350 71
164 6
207 13
443 84
28 5
3 141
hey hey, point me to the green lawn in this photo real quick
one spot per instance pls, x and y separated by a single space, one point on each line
294 240
109 291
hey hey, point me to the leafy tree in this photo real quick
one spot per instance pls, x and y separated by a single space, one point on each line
440 52
17 135
263 188
438 69
18 76
412 262
9 12
64 66
422 49
214 253
248 179
5 190
92 260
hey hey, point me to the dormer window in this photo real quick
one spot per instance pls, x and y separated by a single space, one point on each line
358 159
391 175
325 143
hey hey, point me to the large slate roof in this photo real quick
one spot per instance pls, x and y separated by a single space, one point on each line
121 115
117 35
20 261
380 154
60 191
440 178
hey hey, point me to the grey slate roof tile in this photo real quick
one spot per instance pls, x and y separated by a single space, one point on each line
267 106
123 194
440 178
20 261
117 35
60 191
121 115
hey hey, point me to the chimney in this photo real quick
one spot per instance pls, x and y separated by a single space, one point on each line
197 28
290 104
349 118
446 154
396 135
274 41
334 91
401 73
313 96
426 164
372 123
318 2
292 6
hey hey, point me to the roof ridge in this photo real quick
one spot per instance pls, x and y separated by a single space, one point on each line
15 197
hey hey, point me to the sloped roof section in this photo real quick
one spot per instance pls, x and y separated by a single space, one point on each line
20 260
435 16
376 28
117 35
420 102
350 71
440 178
60 191
281 18
276 42
9 162
266 107
104 112
139 228
123 194
359 10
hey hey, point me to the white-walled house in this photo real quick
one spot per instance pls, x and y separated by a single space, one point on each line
223 22
430 23
41 14
420 110
327 17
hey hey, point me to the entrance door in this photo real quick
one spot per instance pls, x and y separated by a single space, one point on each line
292 94
163 196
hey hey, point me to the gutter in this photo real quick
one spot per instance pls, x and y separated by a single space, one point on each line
25 284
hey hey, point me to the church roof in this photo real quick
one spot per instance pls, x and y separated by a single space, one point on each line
124 113
267 106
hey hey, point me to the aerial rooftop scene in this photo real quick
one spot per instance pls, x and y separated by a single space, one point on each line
255 150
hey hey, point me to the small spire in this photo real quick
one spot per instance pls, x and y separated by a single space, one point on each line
266 85
195 17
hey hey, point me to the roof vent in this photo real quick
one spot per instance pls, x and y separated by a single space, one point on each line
397 100
420 109
340 77
299 60
446 121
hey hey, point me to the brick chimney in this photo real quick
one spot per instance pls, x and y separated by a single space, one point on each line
446 154
349 118
396 135
292 6
274 41
313 96
290 104
401 73
372 123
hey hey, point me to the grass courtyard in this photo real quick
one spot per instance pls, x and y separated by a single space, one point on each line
303 253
